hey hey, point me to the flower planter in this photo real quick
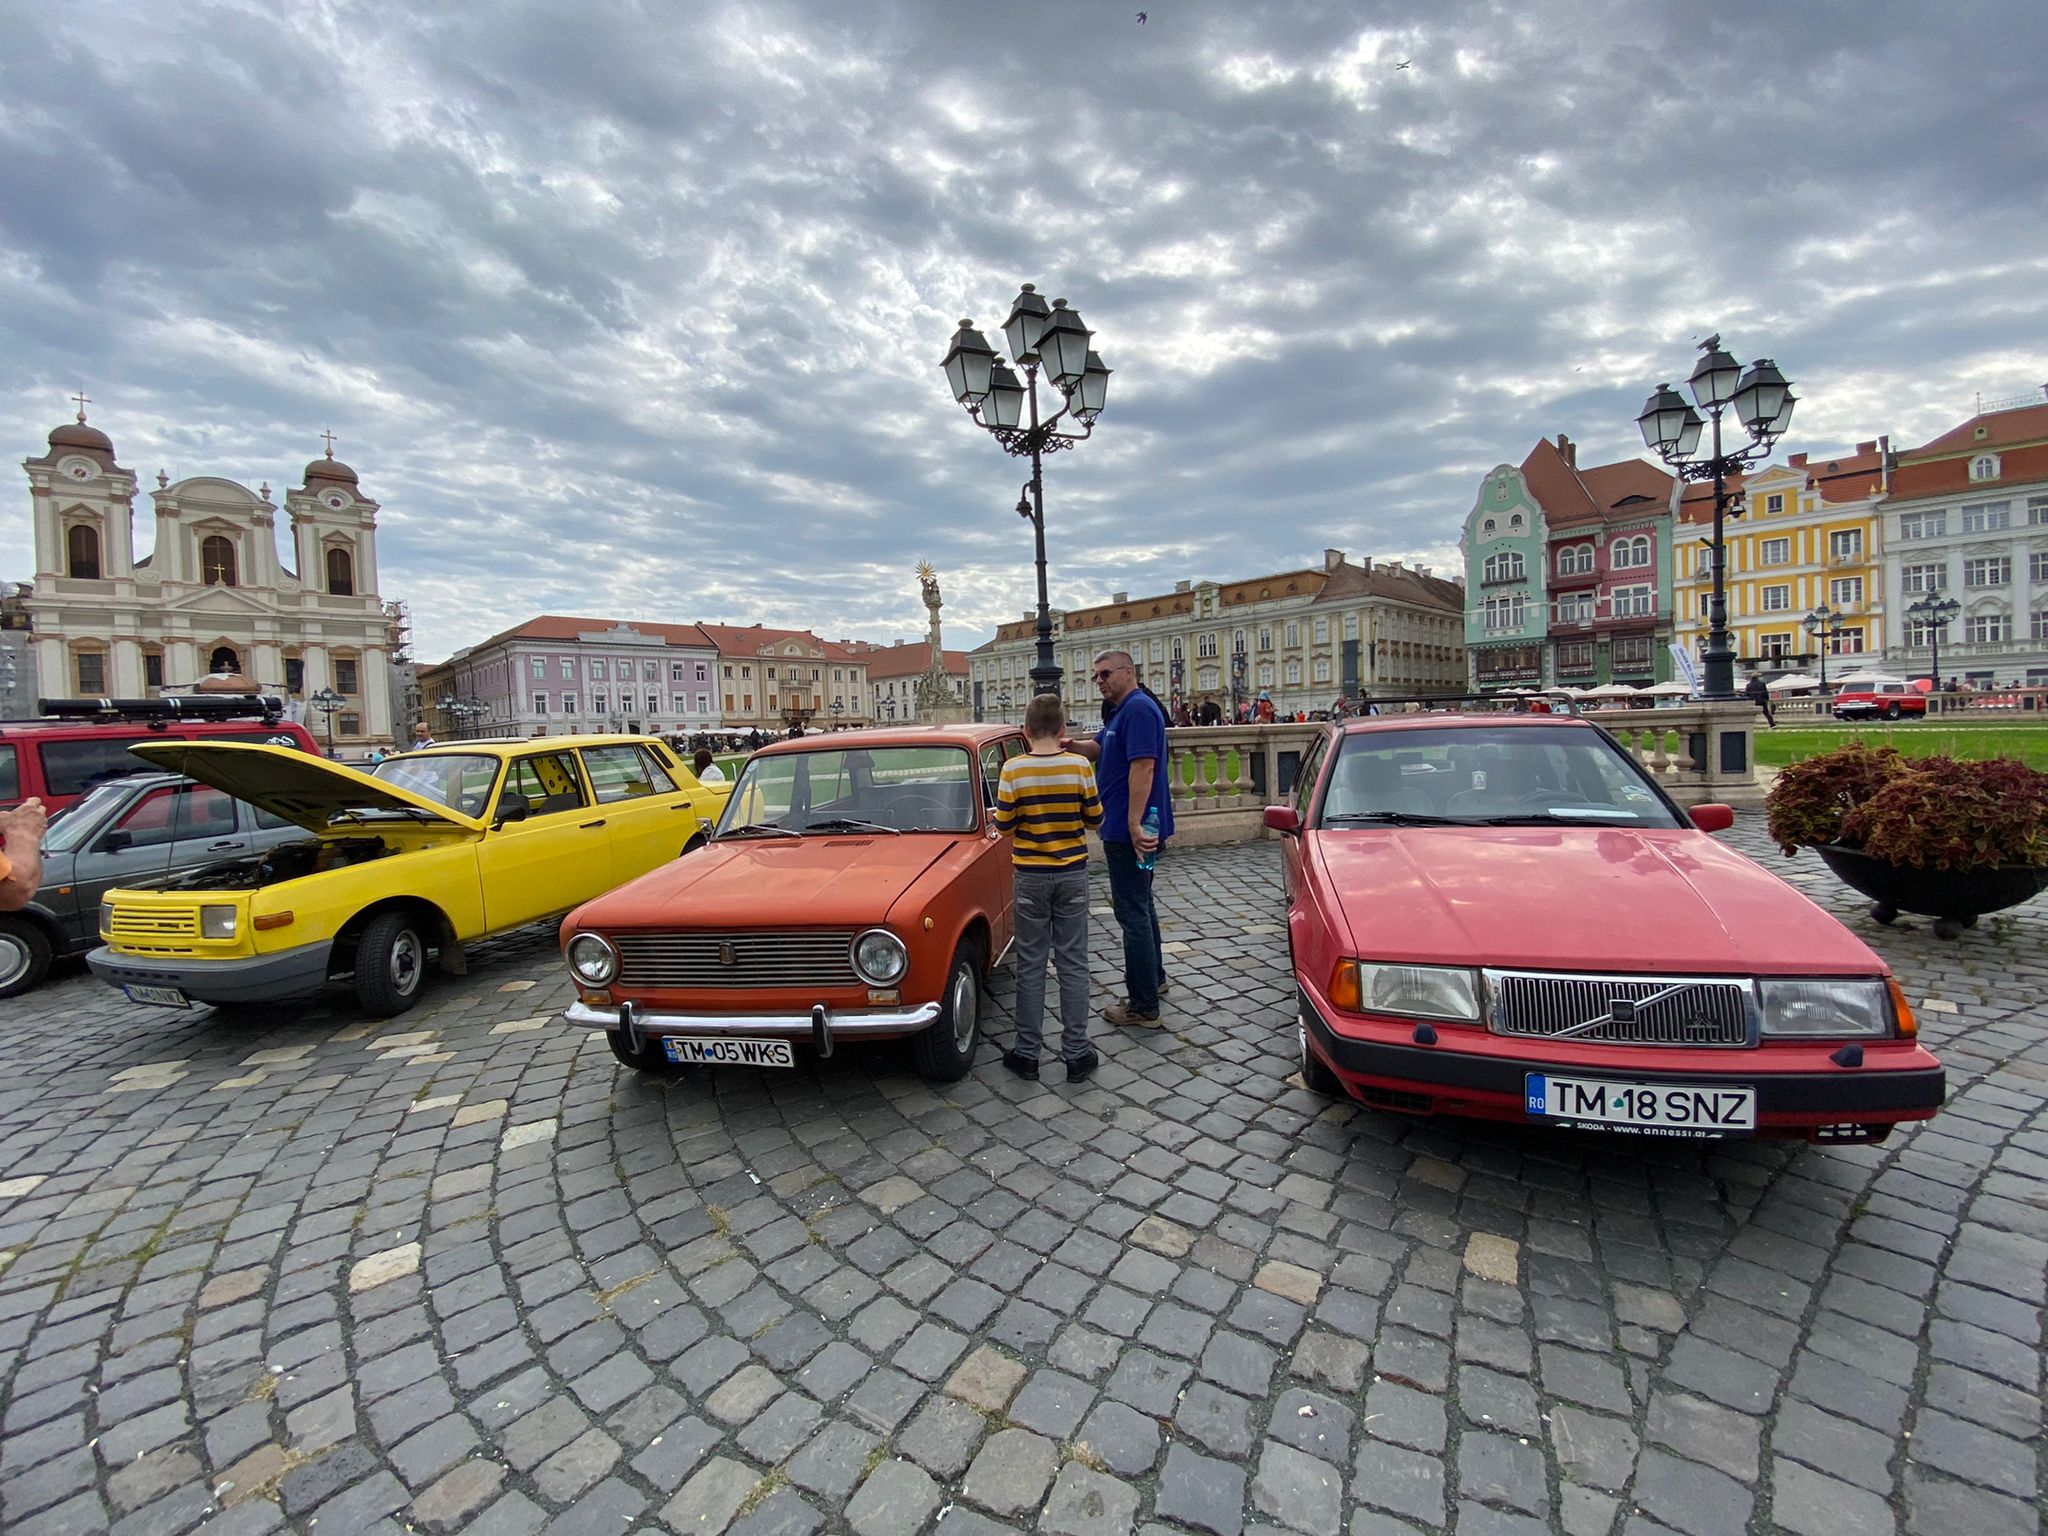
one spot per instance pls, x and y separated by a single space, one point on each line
1955 898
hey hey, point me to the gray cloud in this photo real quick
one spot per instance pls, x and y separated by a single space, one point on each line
637 309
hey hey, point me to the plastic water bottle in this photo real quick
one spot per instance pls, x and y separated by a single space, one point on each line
1151 825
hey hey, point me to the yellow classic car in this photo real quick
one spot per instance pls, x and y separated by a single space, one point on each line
431 851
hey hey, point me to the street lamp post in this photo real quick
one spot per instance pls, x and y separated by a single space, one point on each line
1762 401
462 712
1825 625
327 701
1933 613
1238 667
1054 340
1003 705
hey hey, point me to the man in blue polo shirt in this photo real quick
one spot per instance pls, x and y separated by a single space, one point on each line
1129 754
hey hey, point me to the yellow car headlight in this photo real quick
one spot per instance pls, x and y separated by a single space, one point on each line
217 922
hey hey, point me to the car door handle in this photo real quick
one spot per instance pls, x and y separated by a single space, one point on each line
589 824
233 842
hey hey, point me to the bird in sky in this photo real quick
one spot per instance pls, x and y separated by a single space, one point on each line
1141 18
1404 64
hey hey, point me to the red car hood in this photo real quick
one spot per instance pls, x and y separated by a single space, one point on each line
771 882
1576 899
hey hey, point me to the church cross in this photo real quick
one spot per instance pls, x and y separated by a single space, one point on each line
83 400
329 436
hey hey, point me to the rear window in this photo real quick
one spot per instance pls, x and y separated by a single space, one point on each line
72 765
10 774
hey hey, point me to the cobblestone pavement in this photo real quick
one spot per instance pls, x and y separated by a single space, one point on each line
458 1272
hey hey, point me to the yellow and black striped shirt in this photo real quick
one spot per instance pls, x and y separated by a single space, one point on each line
1048 801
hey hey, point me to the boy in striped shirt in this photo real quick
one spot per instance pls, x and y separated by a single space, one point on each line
1047 798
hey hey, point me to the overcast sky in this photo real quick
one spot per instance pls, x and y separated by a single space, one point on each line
637 309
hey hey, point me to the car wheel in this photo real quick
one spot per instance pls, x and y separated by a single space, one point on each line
1315 1076
945 1051
1884 912
391 964
1892 711
24 955
648 1058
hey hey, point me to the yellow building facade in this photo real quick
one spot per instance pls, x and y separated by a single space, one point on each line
1810 543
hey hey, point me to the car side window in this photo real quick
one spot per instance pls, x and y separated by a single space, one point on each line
265 822
658 774
73 766
620 773
204 811
1311 770
547 781
991 771
10 774
151 821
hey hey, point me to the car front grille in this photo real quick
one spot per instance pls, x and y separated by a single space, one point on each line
149 924
1620 1010
717 960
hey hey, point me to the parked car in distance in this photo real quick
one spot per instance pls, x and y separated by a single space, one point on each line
1871 698
147 826
855 889
1535 932
435 850
59 757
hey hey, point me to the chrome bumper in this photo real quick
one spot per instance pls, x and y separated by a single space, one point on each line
821 1025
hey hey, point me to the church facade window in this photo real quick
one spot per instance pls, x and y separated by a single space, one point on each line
341 571
82 551
217 564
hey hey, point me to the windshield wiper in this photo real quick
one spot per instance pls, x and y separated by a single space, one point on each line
1571 816
848 824
760 826
1398 818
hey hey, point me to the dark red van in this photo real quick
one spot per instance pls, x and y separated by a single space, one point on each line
78 743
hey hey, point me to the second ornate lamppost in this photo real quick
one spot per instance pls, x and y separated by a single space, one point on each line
1933 614
1762 401
327 701
1051 340
1825 625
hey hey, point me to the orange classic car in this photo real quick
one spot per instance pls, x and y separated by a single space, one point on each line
856 888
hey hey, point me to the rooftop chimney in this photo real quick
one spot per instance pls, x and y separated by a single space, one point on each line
1394 566
1422 570
1181 586
1332 558
1796 461
1866 447
1568 450
1119 597
1365 564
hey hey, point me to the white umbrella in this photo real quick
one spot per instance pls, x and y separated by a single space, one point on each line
1794 682
1611 691
1671 690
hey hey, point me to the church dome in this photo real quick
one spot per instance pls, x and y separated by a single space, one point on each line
76 434
330 468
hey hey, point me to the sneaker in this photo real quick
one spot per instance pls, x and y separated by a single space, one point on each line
1024 1066
1164 986
1124 1016
1082 1067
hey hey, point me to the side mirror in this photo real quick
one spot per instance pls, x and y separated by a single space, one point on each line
1713 817
116 841
1283 818
511 809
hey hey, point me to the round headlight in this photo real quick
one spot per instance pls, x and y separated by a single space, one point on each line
879 958
593 960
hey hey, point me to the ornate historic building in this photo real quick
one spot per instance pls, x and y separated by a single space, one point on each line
562 675
212 594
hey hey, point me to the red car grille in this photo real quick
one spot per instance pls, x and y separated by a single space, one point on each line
718 961
1620 1010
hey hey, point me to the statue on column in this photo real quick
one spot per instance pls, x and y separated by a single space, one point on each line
936 701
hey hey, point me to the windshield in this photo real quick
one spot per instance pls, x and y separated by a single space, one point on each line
900 789
459 780
1478 776
71 827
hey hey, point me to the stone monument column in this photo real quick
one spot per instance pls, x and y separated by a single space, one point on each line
936 703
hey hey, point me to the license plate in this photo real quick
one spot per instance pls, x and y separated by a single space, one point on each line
1647 1109
721 1051
161 997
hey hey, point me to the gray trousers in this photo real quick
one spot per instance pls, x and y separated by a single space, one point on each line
1052 914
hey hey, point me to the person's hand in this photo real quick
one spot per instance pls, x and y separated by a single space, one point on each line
1143 841
26 822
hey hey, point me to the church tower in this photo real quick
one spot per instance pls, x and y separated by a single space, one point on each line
334 529
83 507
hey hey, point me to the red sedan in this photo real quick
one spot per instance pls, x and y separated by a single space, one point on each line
1504 917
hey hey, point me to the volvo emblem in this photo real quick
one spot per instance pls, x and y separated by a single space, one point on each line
1621 1010
726 955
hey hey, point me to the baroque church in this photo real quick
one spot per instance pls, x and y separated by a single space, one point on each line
211 597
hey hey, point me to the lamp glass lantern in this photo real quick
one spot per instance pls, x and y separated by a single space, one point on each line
1063 346
1667 422
1761 396
1003 408
1715 377
1027 319
967 363
1093 391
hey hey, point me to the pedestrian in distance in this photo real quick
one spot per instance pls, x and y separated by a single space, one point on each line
1047 800
1758 692
421 736
1129 754
707 771
21 853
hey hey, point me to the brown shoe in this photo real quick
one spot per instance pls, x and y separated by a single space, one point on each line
1124 1016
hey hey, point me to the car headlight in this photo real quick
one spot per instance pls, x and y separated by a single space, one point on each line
1412 991
216 922
106 917
879 958
1824 1008
593 959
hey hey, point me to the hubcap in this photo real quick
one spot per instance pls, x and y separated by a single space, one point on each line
405 962
1301 1040
13 959
966 1000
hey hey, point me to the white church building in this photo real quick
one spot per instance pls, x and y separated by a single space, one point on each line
212 595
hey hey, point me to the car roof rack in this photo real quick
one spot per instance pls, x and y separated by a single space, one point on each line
1497 703
159 712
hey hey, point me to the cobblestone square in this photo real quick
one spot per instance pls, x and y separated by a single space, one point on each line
287 1269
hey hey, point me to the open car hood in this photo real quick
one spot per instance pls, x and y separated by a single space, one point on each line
308 791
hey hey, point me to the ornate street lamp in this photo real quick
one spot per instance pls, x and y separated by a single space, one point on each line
327 701
1239 664
463 711
1762 401
889 708
1933 613
1053 341
1825 625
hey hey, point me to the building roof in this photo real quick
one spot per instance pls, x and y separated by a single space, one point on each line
1571 496
753 639
2027 424
911 660
1942 467
558 626
1394 582
1846 477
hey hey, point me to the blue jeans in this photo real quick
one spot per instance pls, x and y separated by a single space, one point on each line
1052 914
1130 895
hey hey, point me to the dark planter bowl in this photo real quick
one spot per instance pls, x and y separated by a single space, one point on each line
1956 897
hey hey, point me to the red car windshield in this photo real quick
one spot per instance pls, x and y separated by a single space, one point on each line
1480 775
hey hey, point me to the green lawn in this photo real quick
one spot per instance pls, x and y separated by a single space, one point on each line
2024 740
